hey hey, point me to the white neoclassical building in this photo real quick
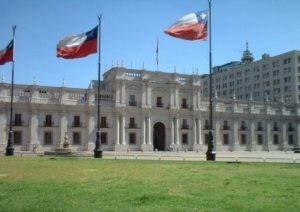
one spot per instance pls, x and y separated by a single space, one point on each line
144 110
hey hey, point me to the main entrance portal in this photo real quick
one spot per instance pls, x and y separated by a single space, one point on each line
159 136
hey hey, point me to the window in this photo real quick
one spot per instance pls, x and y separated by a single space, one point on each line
275 126
206 138
260 139
184 124
76 138
225 139
290 128
243 126
184 103
103 123
17 137
132 123
48 122
225 126
291 140
18 120
275 139
243 139
259 126
159 102
132 138
184 138
76 122
47 138
103 138
132 101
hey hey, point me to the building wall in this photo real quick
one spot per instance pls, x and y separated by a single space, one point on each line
233 119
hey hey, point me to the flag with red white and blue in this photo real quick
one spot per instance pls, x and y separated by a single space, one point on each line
7 54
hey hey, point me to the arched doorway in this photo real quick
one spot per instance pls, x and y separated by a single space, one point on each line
159 136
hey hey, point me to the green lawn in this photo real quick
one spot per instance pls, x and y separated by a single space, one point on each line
71 184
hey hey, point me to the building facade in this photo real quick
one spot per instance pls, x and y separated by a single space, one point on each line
271 78
144 111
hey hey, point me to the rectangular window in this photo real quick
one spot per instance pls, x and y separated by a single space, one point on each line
17 137
260 139
103 122
184 138
206 125
184 103
132 101
159 102
243 139
184 124
103 138
259 126
76 121
275 139
48 121
76 138
132 138
48 138
225 126
18 120
132 123
206 138
291 140
225 139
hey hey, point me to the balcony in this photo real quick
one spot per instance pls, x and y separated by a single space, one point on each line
18 123
206 127
185 126
48 124
225 127
159 104
290 129
132 103
104 125
184 106
243 128
132 125
76 124
259 129
275 129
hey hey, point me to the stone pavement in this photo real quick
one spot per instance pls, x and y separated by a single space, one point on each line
237 156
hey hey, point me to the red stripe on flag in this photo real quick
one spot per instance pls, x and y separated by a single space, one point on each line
189 32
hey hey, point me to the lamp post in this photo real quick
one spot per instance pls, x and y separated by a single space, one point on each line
210 154
98 150
10 146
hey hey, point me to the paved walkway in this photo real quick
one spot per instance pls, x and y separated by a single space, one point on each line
237 156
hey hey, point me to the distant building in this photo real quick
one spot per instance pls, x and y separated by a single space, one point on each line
276 79
148 110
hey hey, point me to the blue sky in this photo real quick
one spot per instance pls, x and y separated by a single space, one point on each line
129 32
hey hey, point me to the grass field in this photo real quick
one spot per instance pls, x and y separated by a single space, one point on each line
72 184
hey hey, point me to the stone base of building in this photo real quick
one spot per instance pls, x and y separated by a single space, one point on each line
198 147
147 147
175 147
90 146
121 147
60 152
32 147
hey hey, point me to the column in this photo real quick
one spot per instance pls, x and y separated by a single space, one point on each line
296 143
172 131
216 134
176 131
123 133
123 93
235 139
63 129
144 95
91 128
252 139
268 137
117 130
199 131
143 130
149 95
172 97
283 137
118 93
195 131
33 132
149 129
3 129
176 98
198 97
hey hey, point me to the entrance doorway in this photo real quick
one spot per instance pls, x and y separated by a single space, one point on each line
159 136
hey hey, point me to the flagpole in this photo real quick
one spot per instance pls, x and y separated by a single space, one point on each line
157 62
10 146
98 150
210 154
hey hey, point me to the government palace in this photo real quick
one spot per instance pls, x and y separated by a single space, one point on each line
256 107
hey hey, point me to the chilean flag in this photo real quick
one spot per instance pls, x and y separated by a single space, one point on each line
7 54
79 45
190 27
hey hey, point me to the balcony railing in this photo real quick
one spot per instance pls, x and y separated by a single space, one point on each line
132 103
259 129
18 123
184 106
225 127
77 124
243 128
206 127
132 125
275 129
185 126
104 125
159 104
290 129
48 124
